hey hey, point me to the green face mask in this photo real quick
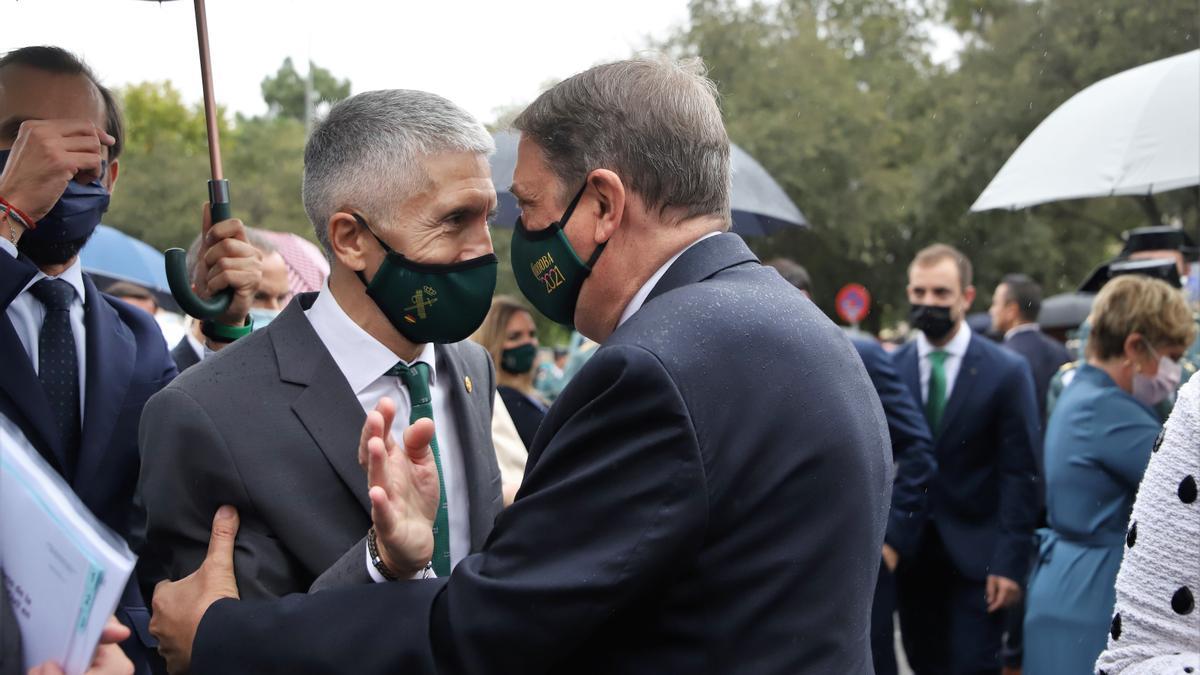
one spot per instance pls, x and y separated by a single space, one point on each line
432 303
518 360
548 271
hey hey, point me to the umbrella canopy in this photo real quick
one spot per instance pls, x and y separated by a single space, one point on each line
1065 311
1135 133
112 255
760 206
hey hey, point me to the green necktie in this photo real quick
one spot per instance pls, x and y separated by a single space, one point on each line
935 403
416 379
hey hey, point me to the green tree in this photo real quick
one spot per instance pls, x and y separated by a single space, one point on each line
266 169
164 168
284 91
826 104
1023 60
885 152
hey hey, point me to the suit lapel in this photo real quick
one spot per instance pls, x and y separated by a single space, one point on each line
474 436
111 352
18 378
964 384
327 407
24 390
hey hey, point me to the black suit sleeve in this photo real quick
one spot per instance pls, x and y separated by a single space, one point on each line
912 448
613 506
1020 443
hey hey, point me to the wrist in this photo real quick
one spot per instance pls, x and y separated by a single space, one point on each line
219 331
234 319
389 569
13 221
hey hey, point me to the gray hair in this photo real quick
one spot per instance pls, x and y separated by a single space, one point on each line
367 152
653 121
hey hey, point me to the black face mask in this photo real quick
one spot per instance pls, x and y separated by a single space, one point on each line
934 322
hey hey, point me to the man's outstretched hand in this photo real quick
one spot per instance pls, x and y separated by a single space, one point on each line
180 605
403 482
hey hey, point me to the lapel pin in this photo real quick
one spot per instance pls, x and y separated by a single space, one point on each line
467 384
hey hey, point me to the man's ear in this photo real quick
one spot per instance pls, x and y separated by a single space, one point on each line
110 180
610 203
348 240
968 298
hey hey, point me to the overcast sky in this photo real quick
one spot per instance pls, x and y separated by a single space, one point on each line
482 54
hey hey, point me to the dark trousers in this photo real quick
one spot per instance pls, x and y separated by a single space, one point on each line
943 616
883 637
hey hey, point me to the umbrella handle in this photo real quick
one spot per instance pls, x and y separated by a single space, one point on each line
177 269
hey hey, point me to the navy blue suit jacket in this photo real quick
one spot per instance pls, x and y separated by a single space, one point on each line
127 362
912 449
708 494
984 499
1045 356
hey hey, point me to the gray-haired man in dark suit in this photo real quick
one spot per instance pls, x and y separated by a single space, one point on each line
398 189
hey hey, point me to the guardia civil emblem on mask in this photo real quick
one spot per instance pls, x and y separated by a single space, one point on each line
431 303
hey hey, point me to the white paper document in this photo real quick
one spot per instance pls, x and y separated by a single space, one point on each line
64 570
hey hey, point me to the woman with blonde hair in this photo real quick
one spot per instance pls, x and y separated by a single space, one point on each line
509 334
1098 443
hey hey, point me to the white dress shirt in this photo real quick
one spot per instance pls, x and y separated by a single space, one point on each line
27 312
955 350
639 298
1023 328
363 361
199 348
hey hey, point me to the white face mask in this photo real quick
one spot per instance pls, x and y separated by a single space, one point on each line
1155 390
262 317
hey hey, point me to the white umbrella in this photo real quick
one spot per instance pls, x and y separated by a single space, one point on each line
1135 133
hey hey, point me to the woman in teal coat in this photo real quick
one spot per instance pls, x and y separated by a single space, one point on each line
1098 442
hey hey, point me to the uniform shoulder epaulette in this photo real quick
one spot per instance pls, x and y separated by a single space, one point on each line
1069 365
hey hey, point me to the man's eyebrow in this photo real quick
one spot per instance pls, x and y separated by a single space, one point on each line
516 191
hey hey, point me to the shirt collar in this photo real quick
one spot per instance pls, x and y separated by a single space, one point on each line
197 345
72 275
361 358
956 347
639 298
1023 328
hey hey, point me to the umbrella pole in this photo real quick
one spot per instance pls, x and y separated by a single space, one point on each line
218 193
210 104
1150 207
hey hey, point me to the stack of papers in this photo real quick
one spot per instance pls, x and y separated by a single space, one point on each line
63 569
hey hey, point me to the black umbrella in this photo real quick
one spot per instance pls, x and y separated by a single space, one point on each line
760 206
1065 311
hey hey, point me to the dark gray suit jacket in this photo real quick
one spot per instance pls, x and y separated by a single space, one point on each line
271 426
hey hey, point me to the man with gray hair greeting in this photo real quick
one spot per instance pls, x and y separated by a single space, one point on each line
708 494
398 189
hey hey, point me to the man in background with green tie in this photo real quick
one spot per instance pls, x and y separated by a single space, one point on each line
973 556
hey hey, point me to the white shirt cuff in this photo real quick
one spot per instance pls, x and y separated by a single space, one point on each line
375 575
9 247
378 578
